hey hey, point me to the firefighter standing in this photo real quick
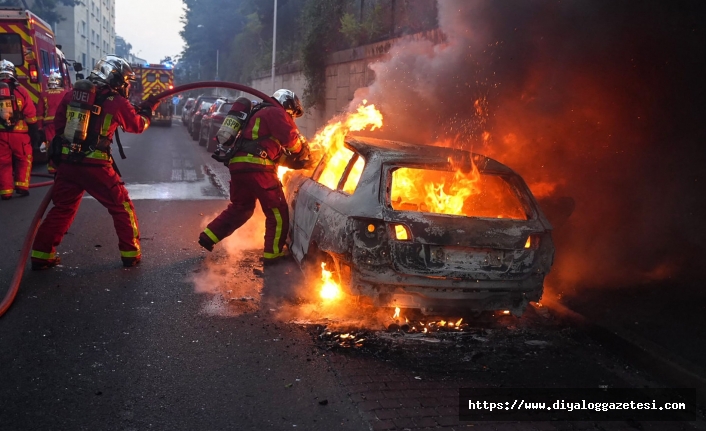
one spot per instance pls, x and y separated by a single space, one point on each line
18 133
86 120
269 132
47 109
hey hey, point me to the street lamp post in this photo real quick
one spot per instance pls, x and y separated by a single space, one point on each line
274 45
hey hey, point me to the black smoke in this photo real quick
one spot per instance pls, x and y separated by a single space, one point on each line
601 101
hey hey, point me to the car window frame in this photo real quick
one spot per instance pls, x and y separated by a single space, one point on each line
346 171
514 181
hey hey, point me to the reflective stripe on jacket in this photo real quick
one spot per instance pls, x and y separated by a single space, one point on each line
274 123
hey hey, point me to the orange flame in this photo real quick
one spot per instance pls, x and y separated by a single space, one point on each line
330 290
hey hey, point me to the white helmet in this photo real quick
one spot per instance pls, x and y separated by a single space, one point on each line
55 80
7 70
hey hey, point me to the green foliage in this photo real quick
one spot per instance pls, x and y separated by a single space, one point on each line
359 32
320 20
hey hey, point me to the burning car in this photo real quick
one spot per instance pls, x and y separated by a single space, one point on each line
436 229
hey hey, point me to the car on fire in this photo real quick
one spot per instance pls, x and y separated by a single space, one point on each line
434 229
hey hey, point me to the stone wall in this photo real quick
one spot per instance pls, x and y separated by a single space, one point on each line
346 72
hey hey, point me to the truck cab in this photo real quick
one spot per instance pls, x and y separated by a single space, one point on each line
28 42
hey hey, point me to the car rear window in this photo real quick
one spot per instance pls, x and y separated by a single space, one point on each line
151 77
205 105
225 107
472 194
163 78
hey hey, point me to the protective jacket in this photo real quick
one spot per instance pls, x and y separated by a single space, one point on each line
115 111
269 131
16 144
46 111
274 130
95 175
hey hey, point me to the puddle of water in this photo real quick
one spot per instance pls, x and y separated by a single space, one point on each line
197 190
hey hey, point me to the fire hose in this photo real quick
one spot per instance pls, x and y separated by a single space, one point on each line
34 225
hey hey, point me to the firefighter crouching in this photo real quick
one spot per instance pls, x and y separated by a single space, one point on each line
257 138
18 133
47 111
86 120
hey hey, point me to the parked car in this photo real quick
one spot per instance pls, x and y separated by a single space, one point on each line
438 231
211 122
200 110
185 109
197 108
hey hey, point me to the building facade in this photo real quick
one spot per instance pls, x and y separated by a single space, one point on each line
88 31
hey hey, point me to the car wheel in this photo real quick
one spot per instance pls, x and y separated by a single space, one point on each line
311 268
211 143
202 141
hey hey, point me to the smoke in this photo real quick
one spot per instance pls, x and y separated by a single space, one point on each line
595 100
227 276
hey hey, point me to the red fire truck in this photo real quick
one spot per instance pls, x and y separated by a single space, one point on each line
28 42
153 79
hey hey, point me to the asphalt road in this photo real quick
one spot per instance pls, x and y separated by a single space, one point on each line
191 340
90 345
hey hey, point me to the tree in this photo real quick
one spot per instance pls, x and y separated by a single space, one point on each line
45 9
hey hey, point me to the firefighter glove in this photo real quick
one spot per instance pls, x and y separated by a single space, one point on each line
144 111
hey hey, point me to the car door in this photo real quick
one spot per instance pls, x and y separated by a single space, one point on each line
317 207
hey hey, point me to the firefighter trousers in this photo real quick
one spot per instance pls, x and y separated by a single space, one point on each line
245 189
15 162
101 182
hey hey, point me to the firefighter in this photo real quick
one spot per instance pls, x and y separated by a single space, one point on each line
18 133
47 110
268 133
86 120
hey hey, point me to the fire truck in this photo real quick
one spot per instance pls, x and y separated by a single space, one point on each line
28 42
153 79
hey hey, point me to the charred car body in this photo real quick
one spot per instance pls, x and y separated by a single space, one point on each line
379 214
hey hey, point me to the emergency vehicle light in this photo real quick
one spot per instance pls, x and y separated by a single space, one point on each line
33 74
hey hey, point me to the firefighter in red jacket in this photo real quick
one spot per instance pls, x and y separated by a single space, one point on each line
269 133
86 120
18 133
47 110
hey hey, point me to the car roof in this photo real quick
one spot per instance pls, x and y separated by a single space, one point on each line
393 152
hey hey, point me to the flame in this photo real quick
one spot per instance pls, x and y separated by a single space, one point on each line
330 290
397 313
332 138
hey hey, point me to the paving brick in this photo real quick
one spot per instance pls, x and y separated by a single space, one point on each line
387 414
358 398
448 411
383 425
397 385
518 426
543 426
409 413
426 422
367 406
410 402
447 420
374 395
355 380
404 422
390 403
428 402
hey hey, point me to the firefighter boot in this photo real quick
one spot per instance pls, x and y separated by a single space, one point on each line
129 262
206 242
42 264
22 192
